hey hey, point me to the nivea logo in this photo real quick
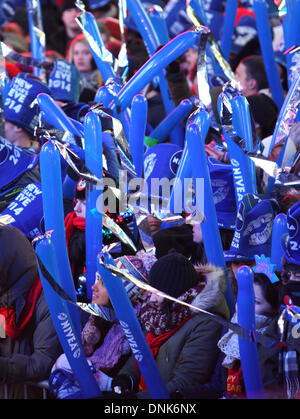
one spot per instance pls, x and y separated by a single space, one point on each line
174 161
292 226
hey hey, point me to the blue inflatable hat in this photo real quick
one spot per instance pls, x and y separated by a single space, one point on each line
223 192
20 106
290 242
64 81
253 229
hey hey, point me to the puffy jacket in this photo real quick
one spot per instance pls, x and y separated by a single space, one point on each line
30 356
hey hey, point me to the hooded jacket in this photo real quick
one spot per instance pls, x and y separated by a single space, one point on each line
29 356
189 357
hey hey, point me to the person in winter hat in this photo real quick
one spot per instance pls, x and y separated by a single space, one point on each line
183 341
105 344
279 365
29 344
21 112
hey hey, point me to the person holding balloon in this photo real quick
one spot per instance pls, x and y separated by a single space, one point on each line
183 343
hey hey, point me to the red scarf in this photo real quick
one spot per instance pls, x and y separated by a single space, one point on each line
155 343
72 221
12 329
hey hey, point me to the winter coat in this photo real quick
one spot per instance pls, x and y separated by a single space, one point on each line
30 356
273 381
189 357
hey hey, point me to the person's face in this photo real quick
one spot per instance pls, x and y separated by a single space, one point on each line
82 57
10 131
80 207
100 295
197 233
190 58
156 300
68 18
261 304
247 84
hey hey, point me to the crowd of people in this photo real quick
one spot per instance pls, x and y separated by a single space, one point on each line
197 357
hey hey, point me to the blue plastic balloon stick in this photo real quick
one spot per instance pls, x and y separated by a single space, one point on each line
246 319
93 225
63 321
162 130
139 111
265 40
279 228
172 50
52 195
195 138
228 27
133 331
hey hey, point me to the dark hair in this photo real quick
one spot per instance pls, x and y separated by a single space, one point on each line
288 267
269 290
255 69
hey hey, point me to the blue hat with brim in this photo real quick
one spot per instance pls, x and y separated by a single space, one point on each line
253 229
290 242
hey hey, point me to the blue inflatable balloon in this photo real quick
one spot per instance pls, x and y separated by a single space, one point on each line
152 42
265 40
133 331
279 228
172 50
248 349
195 142
195 139
94 201
103 95
228 27
242 123
94 39
55 116
37 35
54 217
139 111
63 321
175 117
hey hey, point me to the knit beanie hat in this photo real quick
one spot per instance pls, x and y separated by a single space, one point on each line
173 274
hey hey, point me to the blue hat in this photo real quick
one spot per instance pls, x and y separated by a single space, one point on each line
161 161
290 242
76 111
64 81
223 192
27 211
253 229
243 33
20 106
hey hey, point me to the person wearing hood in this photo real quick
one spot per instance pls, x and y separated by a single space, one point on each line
182 340
29 344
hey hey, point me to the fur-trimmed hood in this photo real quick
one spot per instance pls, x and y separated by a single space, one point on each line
212 298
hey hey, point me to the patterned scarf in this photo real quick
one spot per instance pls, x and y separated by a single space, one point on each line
287 359
159 321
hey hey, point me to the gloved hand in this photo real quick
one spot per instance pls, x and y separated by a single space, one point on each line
122 384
